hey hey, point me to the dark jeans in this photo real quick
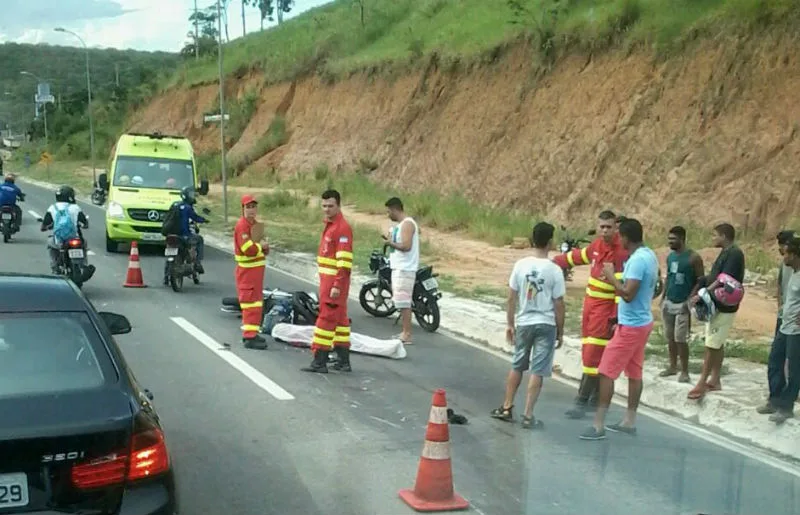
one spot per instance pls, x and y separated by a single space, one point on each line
783 391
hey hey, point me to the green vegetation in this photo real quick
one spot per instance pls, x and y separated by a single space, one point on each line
346 36
121 81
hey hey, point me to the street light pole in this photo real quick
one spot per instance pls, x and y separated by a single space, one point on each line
89 94
222 114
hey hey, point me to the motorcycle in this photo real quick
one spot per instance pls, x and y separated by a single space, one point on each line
375 296
181 258
570 243
8 219
298 308
98 196
71 261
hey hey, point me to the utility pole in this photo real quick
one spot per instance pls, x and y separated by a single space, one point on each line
244 25
116 73
222 115
196 34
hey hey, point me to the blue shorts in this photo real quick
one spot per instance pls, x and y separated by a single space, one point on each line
534 349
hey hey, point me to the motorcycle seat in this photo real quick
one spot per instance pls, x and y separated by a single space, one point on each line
424 272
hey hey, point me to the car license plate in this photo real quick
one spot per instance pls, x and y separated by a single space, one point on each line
7 216
171 251
151 236
430 284
13 490
76 253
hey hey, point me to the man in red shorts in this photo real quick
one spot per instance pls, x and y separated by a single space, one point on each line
625 351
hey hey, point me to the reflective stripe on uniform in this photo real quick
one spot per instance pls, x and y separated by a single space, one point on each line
592 371
599 294
248 305
597 283
591 340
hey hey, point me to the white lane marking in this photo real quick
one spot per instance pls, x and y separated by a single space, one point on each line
34 214
91 253
262 381
668 420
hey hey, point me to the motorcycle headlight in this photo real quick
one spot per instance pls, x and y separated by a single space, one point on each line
564 247
115 210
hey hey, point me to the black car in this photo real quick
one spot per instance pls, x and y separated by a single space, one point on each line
77 433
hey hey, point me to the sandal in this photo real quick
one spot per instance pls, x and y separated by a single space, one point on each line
531 423
696 394
503 413
713 388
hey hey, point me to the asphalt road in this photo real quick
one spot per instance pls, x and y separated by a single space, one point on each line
345 444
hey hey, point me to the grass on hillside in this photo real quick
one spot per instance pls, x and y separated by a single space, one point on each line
332 41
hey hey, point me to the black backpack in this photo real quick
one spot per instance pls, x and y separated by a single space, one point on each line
172 220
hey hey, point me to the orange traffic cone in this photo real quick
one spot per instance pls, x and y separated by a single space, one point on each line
433 490
134 278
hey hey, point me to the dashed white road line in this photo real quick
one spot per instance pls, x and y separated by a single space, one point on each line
262 381
34 214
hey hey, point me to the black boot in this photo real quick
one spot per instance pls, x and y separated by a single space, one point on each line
582 400
257 342
343 360
319 364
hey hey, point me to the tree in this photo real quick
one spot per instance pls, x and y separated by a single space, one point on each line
207 24
267 9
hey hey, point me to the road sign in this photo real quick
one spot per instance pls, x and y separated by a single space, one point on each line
46 158
45 99
210 118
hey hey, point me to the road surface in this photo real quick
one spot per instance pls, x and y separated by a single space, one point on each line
256 436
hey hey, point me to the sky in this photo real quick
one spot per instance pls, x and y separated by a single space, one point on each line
137 24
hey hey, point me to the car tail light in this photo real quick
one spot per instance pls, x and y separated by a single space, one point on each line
75 242
105 471
147 457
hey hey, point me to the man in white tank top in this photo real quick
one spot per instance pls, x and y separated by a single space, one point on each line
403 240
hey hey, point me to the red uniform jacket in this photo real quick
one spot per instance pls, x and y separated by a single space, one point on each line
596 254
335 260
248 255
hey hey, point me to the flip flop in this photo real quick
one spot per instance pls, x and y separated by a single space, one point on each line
696 394
713 388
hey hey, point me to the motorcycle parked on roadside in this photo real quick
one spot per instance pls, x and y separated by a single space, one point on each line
375 296
570 243
98 196
9 224
181 257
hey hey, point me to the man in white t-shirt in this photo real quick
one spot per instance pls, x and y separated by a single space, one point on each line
403 239
535 317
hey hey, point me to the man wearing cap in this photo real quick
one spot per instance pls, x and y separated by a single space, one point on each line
250 256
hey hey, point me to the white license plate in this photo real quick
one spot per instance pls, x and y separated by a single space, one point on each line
13 490
430 284
76 253
151 236
171 251
7 216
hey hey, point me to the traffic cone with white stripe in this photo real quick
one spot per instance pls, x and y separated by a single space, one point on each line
433 490
134 278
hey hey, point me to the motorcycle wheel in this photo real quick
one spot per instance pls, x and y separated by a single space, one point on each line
175 277
76 275
6 232
97 198
426 311
374 302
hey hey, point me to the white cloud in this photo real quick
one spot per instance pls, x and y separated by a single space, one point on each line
139 24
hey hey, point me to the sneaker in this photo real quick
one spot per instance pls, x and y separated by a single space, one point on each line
576 413
593 434
766 409
779 417
619 428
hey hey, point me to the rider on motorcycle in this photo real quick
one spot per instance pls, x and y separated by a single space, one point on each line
9 193
65 202
187 212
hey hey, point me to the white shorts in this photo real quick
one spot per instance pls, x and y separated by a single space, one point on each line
402 288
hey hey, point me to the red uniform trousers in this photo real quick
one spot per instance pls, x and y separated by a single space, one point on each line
249 289
596 331
332 328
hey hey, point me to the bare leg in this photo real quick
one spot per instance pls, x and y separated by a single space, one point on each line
717 356
683 352
512 385
606 392
635 387
405 315
700 388
673 356
534 389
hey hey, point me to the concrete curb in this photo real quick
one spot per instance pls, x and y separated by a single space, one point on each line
730 412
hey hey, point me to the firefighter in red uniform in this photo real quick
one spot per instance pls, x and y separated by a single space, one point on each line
334 264
599 304
251 262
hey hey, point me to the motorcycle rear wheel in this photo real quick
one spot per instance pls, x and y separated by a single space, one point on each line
426 311
175 277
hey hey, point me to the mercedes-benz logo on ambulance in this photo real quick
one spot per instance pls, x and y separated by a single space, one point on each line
153 215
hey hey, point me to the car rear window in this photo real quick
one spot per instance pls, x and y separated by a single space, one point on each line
44 353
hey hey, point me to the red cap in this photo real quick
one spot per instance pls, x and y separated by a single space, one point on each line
248 199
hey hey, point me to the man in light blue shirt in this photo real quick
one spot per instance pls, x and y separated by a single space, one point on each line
625 350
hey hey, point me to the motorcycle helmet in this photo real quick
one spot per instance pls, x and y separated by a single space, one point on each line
729 292
188 196
564 247
10 178
704 309
65 194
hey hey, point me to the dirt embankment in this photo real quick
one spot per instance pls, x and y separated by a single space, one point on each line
708 136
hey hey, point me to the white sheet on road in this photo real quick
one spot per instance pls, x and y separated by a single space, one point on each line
360 343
